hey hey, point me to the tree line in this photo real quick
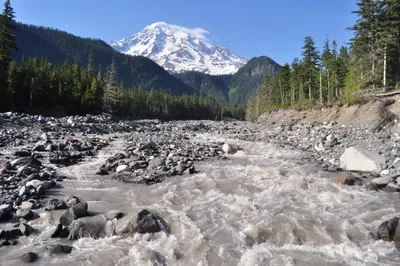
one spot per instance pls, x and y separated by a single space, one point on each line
371 61
39 85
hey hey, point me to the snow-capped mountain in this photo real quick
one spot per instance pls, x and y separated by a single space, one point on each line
180 49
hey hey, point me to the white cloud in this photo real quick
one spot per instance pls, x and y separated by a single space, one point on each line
196 32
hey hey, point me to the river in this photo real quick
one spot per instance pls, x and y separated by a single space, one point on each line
267 205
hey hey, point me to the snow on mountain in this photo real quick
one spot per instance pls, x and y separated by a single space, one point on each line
180 49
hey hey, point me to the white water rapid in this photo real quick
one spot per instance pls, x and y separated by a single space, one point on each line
265 206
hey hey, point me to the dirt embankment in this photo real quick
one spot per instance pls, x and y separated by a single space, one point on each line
374 115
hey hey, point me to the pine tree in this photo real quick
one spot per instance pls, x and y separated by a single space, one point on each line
367 34
110 95
7 44
327 61
310 60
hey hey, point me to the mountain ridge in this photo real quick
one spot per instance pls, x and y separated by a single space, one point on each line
235 88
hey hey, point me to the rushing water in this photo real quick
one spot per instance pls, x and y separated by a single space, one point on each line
265 206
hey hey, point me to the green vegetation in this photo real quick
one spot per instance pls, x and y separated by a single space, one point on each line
57 46
370 62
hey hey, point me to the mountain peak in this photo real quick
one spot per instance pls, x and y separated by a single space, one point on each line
179 49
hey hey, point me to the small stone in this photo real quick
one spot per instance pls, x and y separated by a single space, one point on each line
180 168
157 162
23 191
192 170
26 205
384 172
102 171
122 168
230 148
29 257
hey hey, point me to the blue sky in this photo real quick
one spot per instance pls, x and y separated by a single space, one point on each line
275 28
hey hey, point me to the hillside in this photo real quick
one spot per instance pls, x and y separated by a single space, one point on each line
236 88
58 46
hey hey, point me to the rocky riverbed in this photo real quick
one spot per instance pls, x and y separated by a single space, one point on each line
52 174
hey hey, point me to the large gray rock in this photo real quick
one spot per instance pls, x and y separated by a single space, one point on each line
93 227
26 229
381 181
13 233
358 159
29 257
24 214
56 204
386 230
143 222
75 212
5 209
71 200
111 215
60 232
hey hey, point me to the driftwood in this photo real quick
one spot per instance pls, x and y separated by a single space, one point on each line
386 94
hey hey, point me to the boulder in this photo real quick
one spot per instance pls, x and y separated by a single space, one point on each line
180 168
122 168
102 171
381 181
60 232
29 257
93 227
24 214
34 183
63 249
39 147
142 222
392 187
358 159
71 200
56 204
13 233
230 148
396 237
22 153
148 222
26 229
387 229
75 212
113 215
5 210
